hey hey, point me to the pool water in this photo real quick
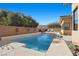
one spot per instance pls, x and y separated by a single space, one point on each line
40 42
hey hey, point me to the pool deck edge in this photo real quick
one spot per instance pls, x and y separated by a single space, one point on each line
58 48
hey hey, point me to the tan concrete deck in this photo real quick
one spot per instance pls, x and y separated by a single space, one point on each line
59 48
27 52
67 38
20 51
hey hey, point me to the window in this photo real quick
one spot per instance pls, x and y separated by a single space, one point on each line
66 26
75 19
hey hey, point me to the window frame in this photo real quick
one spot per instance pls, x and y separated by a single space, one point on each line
74 27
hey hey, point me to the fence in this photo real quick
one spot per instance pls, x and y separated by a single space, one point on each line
13 30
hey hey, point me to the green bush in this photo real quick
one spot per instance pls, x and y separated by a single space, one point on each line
54 25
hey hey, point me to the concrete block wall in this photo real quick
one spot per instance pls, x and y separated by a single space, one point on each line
13 30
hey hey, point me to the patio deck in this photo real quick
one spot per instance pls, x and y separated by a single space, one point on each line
59 48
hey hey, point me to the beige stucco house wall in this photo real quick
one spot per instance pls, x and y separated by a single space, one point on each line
75 34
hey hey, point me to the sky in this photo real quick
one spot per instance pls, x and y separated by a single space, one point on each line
43 13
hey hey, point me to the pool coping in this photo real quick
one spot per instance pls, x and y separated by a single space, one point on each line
21 35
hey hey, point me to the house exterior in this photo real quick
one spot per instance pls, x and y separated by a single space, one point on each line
66 25
75 23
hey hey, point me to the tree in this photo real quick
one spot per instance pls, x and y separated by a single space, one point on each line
54 25
16 19
31 22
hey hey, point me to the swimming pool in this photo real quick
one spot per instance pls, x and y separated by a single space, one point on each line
40 42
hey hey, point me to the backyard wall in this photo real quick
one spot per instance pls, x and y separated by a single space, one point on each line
13 30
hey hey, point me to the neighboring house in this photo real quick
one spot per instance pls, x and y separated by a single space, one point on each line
75 23
66 25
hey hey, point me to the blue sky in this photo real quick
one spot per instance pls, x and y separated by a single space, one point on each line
44 13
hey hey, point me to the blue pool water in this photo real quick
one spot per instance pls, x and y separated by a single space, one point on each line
40 42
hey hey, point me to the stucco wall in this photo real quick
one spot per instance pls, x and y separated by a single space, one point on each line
75 34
